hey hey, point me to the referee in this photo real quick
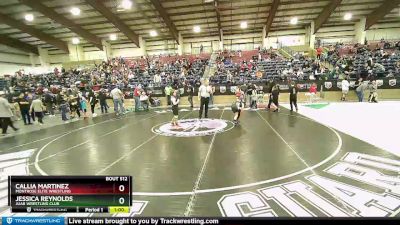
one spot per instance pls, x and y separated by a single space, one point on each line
204 98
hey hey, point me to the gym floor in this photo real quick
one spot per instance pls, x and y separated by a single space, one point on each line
271 164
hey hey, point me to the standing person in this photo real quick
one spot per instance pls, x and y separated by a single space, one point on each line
373 89
157 80
167 91
360 90
237 109
319 52
118 98
253 98
190 91
38 107
103 101
5 114
144 101
313 92
293 89
175 108
30 99
48 100
24 105
92 102
64 108
249 92
275 97
204 98
270 87
83 104
74 106
212 95
345 89
136 95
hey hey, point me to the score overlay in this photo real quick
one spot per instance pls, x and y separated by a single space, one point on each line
95 194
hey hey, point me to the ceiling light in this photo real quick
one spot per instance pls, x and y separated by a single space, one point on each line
196 29
294 20
243 25
347 16
113 37
75 41
75 11
153 33
29 17
126 4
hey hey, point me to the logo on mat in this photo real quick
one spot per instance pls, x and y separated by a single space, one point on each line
379 82
233 89
328 85
339 84
193 127
392 82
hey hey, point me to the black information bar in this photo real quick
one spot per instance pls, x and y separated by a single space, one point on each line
223 221
39 209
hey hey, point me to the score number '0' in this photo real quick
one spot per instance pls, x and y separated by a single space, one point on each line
121 200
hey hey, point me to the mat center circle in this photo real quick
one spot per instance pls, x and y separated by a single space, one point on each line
193 127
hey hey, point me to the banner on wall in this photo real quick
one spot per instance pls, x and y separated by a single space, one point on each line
392 82
222 89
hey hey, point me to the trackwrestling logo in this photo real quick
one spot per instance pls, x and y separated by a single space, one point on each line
193 128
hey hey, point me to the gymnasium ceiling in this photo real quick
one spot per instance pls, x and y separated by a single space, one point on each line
54 26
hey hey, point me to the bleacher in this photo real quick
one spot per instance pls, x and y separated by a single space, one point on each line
3 84
261 70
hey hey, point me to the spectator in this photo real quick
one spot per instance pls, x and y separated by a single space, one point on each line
293 90
168 90
144 100
312 92
275 97
74 106
64 108
361 87
103 101
38 107
345 89
118 98
5 114
84 104
92 102
319 52
49 101
24 106
157 80
373 90
190 91
136 95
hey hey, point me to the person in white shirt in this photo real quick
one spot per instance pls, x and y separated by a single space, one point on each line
345 89
204 98
118 98
229 76
157 80
175 109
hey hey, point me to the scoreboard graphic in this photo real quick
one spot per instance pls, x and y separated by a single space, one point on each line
90 194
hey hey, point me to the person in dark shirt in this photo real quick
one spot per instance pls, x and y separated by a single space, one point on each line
74 106
293 89
24 106
103 101
190 91
270 86
92 101
275 97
